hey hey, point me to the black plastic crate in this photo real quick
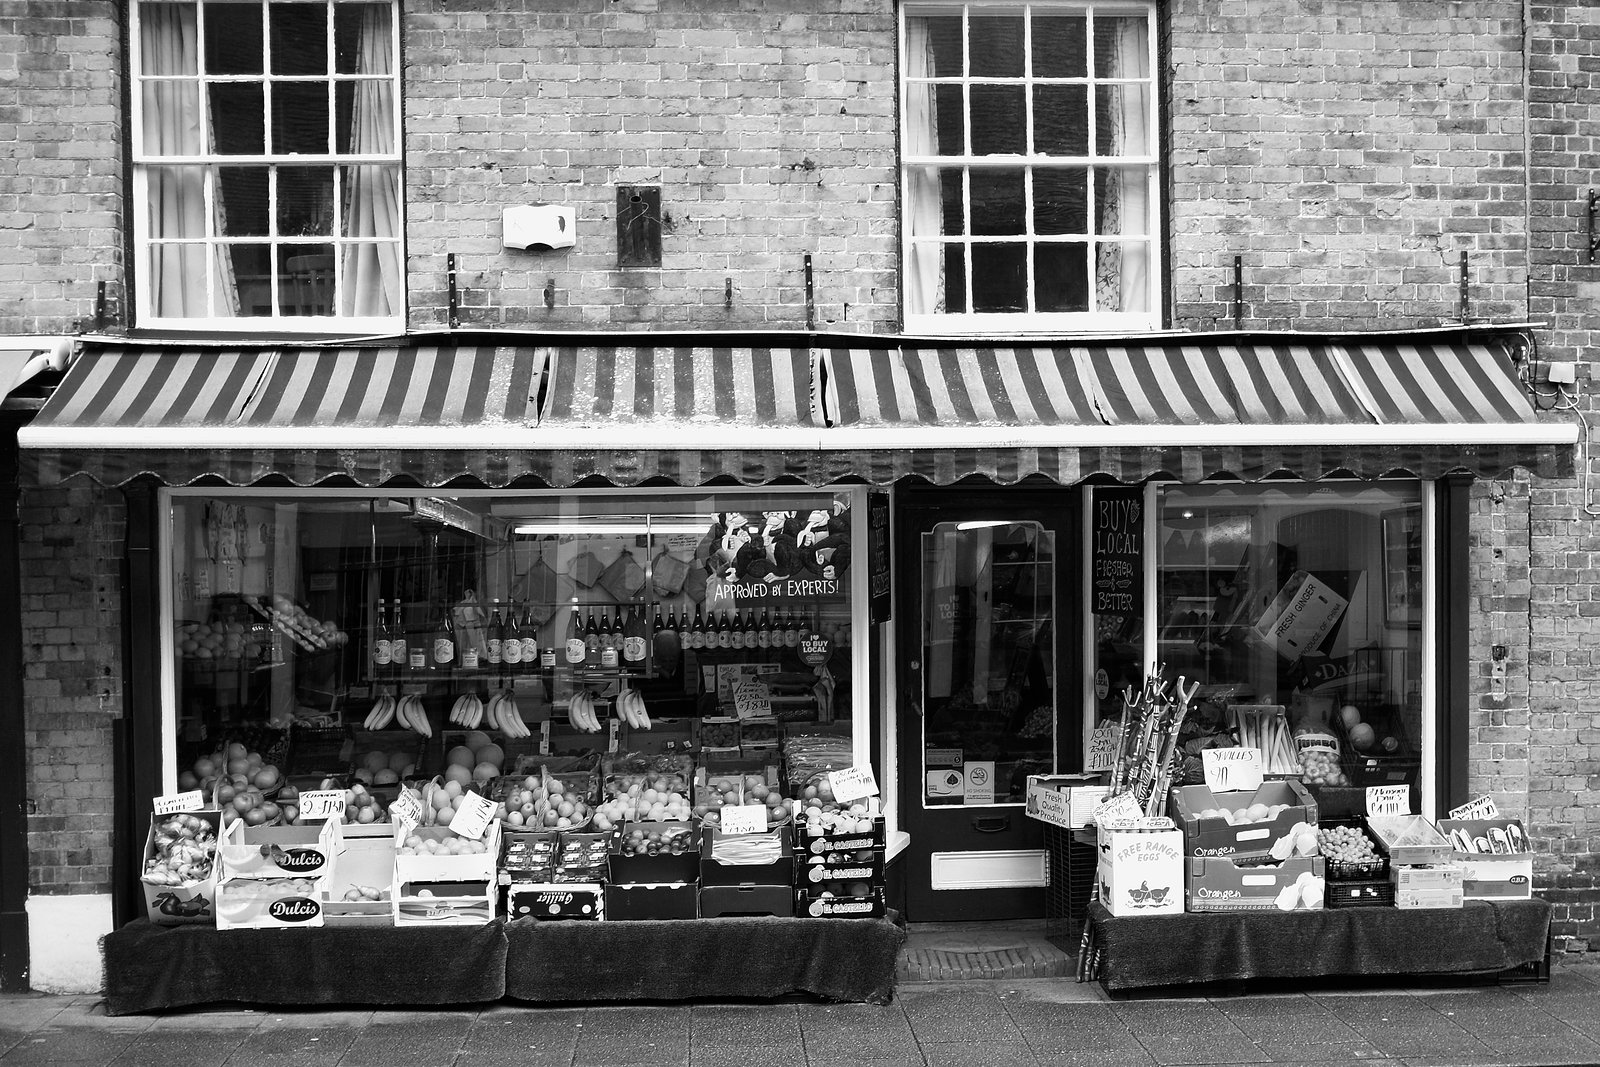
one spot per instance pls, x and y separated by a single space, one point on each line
1072 865
1371 893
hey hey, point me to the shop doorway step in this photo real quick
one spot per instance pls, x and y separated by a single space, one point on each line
957 951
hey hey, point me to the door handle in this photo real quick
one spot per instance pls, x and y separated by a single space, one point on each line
991 824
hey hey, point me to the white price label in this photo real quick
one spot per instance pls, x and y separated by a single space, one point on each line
1231 770
1102 749
742 819
172 803
405 825
853 783
473 815
318 804
752 700
1388 800
1480 808
1120 807
407 807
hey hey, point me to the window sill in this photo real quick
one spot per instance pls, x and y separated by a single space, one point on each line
1022 326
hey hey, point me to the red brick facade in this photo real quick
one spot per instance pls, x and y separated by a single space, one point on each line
1349 153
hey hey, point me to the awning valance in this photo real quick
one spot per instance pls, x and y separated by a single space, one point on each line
1189 407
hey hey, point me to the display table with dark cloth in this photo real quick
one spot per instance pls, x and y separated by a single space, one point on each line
839 959
152 968
1160 950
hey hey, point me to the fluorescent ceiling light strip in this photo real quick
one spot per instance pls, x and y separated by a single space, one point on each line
602 528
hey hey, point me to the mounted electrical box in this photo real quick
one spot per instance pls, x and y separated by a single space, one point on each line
538 226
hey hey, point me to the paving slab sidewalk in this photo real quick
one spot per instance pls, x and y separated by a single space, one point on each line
1029 1022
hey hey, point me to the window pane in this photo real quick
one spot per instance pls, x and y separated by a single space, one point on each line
1120 196
238 118
350 23
1061 277
372 202
955 279
1058 47
243 192
1121 275
999 120
299 38
944 41
233 38
996 45
305 201
1124 120
176 201
305 286
1121 47
1060 201
252 278
953 209
300 118
365 121
161 28
172 118
998 202
949 111
1061 120
999 277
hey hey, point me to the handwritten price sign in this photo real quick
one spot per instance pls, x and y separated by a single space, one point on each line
853 783
752 700
1388 800
1481 808
472 816
321 804
1102 748
172 803
743 818
407 807
1122 806
1230 770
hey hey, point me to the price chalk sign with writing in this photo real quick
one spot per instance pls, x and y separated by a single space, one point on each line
1116 552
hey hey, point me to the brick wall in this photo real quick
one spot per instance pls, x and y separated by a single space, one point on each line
769 128
60 162
72 539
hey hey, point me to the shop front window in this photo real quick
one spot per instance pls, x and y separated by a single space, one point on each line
711 630
1300 607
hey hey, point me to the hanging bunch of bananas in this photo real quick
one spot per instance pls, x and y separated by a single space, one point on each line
502 714
409 712
467 711
580 712
630 709
381 715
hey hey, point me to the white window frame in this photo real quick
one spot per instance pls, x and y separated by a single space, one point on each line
1012 323
143 160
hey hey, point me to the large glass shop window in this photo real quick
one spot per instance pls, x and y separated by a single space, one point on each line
378 639
1299 610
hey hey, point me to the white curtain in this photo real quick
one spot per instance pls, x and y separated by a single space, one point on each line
1122 281
924 216
373 273
174 125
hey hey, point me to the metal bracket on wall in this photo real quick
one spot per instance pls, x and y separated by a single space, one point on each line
450 283
811 304
1466 295
1594 238
1238 291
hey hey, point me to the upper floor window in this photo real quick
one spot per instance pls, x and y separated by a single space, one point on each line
1028 141
266 151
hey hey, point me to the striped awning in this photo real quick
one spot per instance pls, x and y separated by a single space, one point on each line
562 415
1424 406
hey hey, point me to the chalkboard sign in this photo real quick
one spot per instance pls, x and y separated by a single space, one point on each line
878 557
1116 552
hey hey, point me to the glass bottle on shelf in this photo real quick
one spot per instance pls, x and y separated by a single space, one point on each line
697 629
529 639
764 629
636 638
610 641
495 636
750 641
591 642
724 631
417 649
547 653
398 657
511 637
791 630
381 649
576 646
444 639
735 632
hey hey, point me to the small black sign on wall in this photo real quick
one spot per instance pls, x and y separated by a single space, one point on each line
638 226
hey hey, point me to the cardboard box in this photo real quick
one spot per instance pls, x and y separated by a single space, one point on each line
663 867
194 901
1141 867
813 905
433 867
720 900
1436 877
780 872
364 856
678 901
1487 872
1303 613
443 903
1215 836
840 867
1063 799
272 852
1219 883
1428 898
247 902
1410 840
556 900
820 843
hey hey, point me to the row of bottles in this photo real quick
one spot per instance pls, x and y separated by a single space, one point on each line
620 639
510 642
737 631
